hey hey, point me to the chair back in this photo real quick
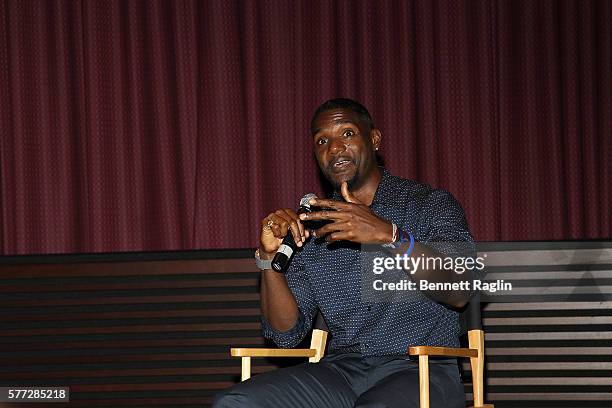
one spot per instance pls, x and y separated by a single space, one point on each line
319 322
470 317
470 321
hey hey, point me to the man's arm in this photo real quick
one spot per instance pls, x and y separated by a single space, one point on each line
457 298
448 236
279 306
354 221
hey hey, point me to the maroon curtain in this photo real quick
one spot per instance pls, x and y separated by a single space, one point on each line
150 125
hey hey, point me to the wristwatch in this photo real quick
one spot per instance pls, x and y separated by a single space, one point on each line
262 264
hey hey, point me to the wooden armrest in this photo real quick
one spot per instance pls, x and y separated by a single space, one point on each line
271 352
442 351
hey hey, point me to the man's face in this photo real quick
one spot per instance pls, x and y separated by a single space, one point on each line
344 147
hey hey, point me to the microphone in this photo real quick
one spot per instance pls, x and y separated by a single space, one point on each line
288 247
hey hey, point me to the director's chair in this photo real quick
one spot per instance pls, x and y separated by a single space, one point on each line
475 352
472 323
314 353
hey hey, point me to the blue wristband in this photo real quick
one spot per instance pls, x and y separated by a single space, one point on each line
403 237
411 247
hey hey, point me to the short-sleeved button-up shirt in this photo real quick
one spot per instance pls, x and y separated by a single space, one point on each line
328 277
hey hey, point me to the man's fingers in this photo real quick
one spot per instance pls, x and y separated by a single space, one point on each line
332 227
339 236
279 226
333 204
289 223
293 218
300 226
324 215
346 194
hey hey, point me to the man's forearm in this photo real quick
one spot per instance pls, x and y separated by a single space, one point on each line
456 298
278 304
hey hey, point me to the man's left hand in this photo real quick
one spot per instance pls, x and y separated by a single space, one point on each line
352 220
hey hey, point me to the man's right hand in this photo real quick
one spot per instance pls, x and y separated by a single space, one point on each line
274 228
278 303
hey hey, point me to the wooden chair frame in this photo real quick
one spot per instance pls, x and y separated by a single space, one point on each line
475 353
314 353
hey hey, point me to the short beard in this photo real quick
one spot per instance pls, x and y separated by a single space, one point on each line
352 182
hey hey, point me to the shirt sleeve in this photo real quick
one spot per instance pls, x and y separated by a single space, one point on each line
299 285
443 225
446 228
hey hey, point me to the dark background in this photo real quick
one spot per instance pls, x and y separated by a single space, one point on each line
177 125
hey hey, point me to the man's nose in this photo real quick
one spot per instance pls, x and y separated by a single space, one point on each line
336 146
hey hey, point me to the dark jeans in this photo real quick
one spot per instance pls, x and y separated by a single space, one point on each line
348 380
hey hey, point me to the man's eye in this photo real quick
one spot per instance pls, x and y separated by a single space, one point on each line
348 133
321 141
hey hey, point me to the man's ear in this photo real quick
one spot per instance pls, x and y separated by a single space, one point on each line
376 138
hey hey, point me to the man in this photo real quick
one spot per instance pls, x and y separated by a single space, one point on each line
367 364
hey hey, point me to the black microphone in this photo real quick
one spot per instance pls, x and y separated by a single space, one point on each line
288 247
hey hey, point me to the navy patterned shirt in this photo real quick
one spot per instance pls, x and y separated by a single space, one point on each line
329 276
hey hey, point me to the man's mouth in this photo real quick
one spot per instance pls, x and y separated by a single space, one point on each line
341 164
